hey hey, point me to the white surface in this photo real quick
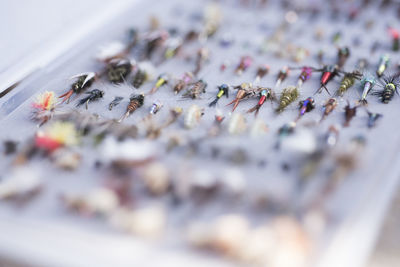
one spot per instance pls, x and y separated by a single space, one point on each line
38 243
359 226
39 31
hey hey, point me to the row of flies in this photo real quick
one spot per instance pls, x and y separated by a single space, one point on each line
118 69
388 86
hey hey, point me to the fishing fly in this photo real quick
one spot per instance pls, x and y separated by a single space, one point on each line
261 72
153 41
328 73
266 93
195 90
212 19
155 107
118 69
43 107
193 116
162 80
173 45
139 78
115 102
144 73
372 118
83 81
367 83
202 56
306 106
395 38
390 85
348 81
244 64
349 113
282 75
223 89
383 64
135 102
216 128
328 107
286 130
288 96
304 76
342 56
245 91
183 82
93 95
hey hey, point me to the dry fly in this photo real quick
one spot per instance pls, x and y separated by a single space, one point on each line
44 107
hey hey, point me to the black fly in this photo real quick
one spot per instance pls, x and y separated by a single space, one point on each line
93 95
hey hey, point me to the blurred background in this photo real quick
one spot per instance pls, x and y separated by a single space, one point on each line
36 32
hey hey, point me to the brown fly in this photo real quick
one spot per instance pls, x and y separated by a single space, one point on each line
135 102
